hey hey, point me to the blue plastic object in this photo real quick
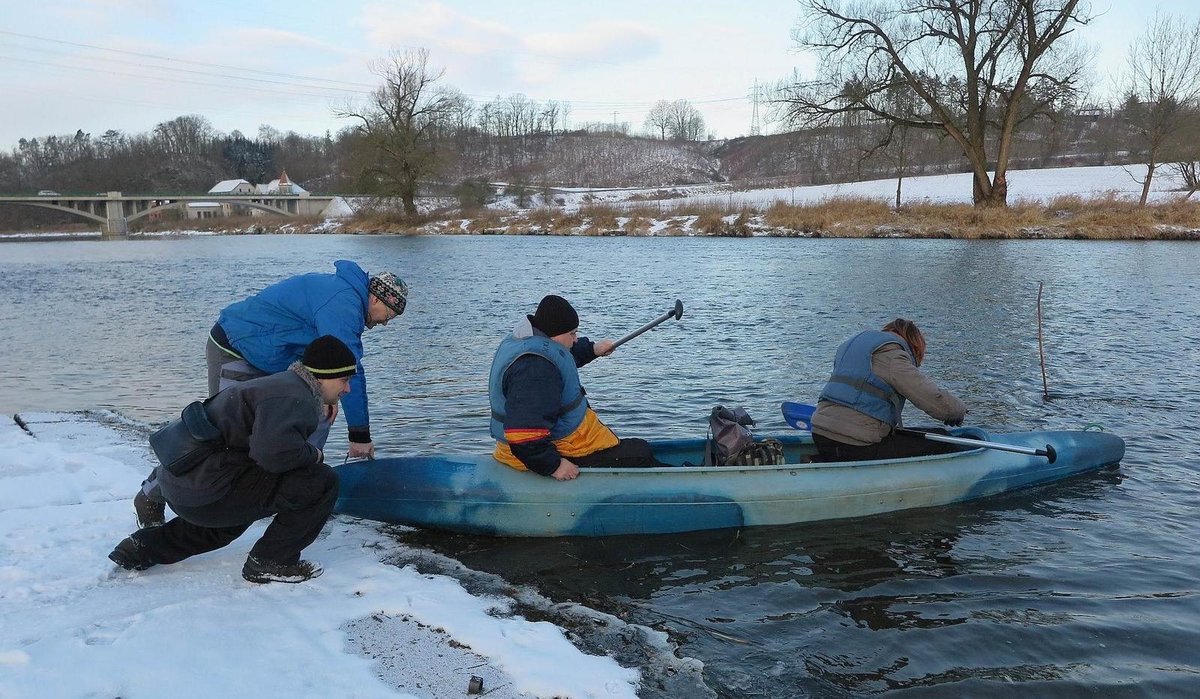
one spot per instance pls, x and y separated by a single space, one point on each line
797 415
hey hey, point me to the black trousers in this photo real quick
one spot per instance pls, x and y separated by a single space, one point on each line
628 453
894 446
301 501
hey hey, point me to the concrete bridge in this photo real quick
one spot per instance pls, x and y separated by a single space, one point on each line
114 210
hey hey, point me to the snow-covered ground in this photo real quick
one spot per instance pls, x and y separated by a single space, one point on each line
74 625
1030 185
1037 186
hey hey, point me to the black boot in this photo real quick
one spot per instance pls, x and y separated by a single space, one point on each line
150 513
130 555
261 571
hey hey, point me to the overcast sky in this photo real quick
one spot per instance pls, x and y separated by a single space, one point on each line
130 64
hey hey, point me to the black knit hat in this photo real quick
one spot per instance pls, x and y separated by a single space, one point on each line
554 316
329 358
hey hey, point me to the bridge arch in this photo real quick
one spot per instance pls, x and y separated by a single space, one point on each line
183 205
59 207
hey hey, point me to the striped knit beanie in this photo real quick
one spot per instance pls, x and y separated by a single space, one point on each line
329 358
391 290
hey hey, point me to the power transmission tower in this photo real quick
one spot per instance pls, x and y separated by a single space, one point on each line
755 125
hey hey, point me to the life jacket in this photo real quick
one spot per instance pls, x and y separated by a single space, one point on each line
573 403
853 383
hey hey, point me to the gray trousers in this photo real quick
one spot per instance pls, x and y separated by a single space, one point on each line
225 370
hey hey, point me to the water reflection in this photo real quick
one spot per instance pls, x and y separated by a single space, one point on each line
798 604
1086 586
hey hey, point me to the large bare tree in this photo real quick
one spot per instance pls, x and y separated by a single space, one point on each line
658 119
1162 87
401 125
686 122
980 68
680 120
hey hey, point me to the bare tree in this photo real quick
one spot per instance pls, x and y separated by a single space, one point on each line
188 135
895 142
1161 87
658 119
981 68
399 125
686 122
1187 157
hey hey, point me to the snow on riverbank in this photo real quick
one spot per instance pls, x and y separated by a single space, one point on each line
1041 185
76 626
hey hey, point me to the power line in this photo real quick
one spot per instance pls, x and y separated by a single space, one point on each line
169 59
168 79
238 73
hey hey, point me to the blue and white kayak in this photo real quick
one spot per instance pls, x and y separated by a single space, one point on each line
478 495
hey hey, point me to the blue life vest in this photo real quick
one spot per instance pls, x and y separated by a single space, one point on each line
573 404
853 383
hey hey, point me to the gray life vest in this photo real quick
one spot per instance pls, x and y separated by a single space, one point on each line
853 383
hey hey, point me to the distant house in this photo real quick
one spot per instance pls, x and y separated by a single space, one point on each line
225 187
205 209
282 186
232 187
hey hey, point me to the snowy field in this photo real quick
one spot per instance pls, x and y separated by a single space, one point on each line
77 626
1028 185
1037 186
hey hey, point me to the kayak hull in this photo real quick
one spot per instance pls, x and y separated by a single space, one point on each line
476 494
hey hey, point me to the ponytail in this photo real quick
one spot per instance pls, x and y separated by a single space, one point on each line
911 334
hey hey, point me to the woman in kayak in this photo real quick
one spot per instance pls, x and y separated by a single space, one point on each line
874 372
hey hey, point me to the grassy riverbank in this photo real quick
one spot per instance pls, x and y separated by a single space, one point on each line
1070 217
1063 217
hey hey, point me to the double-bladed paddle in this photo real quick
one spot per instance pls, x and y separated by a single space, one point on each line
799 415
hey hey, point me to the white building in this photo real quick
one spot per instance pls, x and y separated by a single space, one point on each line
282 186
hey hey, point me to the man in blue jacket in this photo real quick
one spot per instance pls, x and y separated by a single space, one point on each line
266 332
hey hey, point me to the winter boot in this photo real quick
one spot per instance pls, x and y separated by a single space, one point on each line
258 570
150 513
130 555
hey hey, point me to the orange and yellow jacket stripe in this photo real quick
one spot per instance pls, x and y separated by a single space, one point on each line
590 437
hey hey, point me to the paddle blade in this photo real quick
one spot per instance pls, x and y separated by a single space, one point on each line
798 415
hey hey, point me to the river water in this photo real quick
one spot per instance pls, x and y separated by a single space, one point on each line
1082 588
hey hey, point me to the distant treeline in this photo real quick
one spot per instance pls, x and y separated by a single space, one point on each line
517 140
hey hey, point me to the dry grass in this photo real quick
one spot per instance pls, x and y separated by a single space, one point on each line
231 224
601 218
486 221
1106 217
830 215
542 217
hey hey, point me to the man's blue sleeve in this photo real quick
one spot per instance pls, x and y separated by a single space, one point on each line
343 317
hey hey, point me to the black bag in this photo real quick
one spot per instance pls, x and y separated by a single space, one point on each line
729 433
185 442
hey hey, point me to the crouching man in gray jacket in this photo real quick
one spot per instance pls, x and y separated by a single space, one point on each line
265 468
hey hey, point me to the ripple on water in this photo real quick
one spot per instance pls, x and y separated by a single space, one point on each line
1082 588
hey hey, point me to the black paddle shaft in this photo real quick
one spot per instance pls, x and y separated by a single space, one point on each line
676 313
